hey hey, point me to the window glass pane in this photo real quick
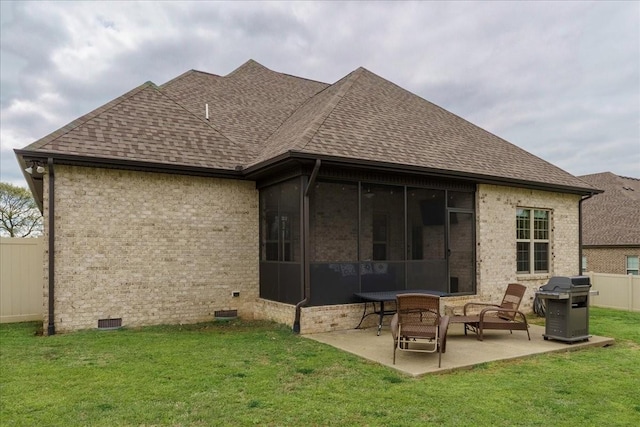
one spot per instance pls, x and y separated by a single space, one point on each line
523 257
633 265
523 224
541 257
541 225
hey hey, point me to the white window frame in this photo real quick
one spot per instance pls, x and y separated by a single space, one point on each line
630 269
531 239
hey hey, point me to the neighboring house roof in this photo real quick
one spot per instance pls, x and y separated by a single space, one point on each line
612 218
258 116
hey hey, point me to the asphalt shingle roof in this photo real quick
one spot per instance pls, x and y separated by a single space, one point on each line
144 125
248 105
256 114
612 218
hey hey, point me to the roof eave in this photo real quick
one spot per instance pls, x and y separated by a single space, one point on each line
394 167
610 245
35 182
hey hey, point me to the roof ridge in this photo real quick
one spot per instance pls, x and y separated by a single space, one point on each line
304 137
184 75
598 173
88 117
309 132
247 64
303 78
608 173
256 63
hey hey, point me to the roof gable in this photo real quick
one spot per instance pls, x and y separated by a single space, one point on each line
613 217
247 105
144 125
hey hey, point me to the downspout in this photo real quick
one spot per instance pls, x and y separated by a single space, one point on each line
51 329
305 252
580 232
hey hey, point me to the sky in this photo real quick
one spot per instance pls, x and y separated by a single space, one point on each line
558 79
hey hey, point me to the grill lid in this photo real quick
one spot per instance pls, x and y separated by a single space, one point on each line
566 284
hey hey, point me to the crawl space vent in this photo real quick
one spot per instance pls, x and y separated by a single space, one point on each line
225 314
109 323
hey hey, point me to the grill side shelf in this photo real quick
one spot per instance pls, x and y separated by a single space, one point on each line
553 295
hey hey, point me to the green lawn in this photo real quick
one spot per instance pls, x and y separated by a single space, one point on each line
242 373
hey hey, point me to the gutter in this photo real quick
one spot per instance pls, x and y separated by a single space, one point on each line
51 329
580 231
135 165
305 252
389 167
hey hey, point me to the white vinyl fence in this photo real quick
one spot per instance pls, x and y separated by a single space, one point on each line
21 279
616 291
21 283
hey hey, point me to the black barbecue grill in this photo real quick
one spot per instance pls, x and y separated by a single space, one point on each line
567 308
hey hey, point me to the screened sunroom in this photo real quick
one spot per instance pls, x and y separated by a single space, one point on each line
326 236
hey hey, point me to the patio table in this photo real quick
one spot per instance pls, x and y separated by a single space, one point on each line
382 297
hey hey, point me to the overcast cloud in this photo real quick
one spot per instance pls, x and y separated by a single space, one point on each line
559 79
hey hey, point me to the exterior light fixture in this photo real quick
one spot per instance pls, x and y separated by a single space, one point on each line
39 168
369 194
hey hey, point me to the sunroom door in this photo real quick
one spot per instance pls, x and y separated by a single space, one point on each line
461 253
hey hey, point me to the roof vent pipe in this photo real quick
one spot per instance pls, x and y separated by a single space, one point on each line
206 111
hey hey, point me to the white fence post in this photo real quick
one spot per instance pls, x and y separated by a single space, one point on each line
630 292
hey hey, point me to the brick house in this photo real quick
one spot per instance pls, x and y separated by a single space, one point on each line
280 197
611 225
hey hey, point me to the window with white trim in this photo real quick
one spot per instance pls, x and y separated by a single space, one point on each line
633 266
532 240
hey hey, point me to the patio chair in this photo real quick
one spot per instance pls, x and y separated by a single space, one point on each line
504 316
418 326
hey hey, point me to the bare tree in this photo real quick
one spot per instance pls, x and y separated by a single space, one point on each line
19 215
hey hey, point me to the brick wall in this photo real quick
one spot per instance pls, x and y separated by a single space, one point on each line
151 248
609 260
318 319
154 248
496 247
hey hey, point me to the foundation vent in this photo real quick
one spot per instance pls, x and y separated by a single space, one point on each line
109 323
225 314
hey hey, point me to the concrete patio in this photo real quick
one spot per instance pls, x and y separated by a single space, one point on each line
463 352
